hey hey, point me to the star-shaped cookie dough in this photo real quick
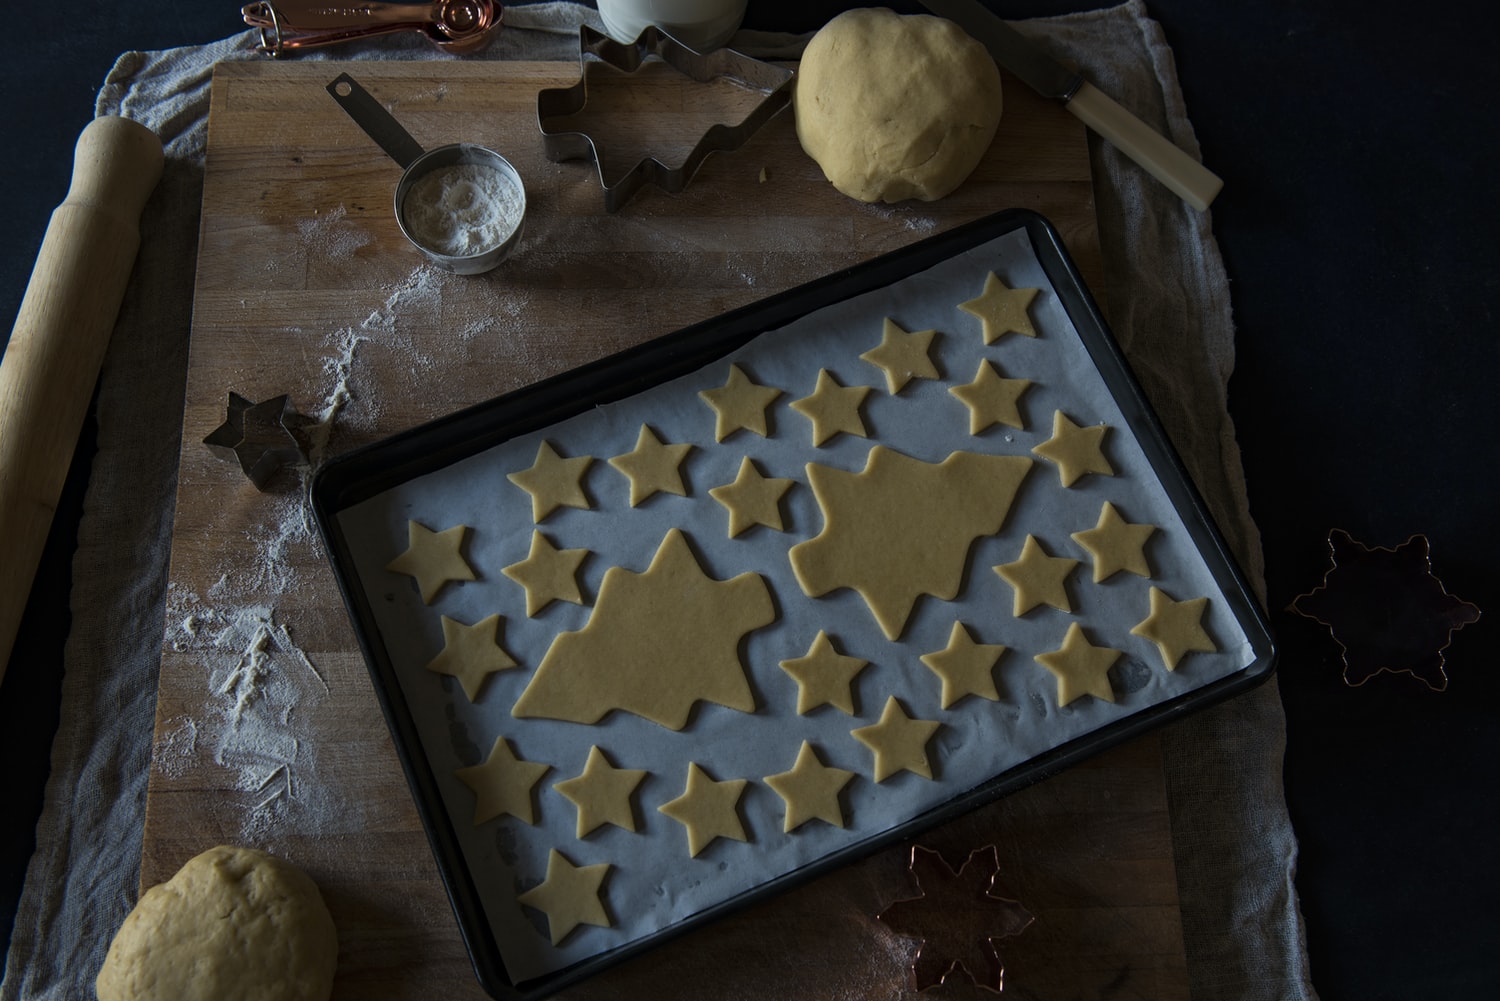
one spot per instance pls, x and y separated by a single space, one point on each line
992 399
602 793
1116 544
708 809
1001 310
502 784
1176 627
569 896
739 404
1075 450
471 653
548 574
433 558
824 676
752 499
810 790
833 408
553 482
965 667
1038 579
902 356
652 467
898 741
1081 668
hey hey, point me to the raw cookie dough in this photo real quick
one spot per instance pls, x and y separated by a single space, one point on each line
471 653
234 924
1116 544
652 467
810 790
502 784
1176 627
432 558
1038 579
1081 668
895 107
708 809
833 408
824 676
752 499
569 896
739 404
553 482
1076 450
902 356
898 742
992 399
1002 310
903 528
623 659
548 574
965 667
602 793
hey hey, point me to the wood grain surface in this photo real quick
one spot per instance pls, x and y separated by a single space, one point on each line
305 286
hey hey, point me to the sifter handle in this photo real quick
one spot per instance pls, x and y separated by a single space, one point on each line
56 348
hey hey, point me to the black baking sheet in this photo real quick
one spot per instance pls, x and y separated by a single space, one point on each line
451 471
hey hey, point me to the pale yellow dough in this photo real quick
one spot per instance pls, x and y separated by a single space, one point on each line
234 924
569 896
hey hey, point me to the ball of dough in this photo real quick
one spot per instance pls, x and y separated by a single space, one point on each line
234 923
896 106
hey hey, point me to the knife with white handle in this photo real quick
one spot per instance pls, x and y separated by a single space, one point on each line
1185 176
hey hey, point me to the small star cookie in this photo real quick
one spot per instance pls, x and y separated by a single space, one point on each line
548 574
833 408
1075 450
739 404
810 790
752 499
898 741
1081 668
602 793
433 558
569 896
1176 627
708 809
992 399
1116 544
502 784
824 676
902 356
1001 310
1038 579
471 653
553 482
652 467
965 667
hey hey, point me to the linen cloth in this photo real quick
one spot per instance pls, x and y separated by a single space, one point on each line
1169 305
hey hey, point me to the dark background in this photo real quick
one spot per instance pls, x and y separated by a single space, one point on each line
1357 141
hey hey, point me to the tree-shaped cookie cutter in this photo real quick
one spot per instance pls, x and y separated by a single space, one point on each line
594 47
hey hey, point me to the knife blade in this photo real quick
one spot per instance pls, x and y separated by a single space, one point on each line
1185 176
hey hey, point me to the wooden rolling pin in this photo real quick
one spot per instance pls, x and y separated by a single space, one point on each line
52 361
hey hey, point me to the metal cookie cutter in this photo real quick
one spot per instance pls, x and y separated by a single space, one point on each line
556 103
262 437
456 25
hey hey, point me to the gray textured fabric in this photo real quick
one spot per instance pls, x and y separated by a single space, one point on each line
1168 300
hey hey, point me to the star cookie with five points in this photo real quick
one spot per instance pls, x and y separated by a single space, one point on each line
502 784
1081 668
708 809
752 499
553 482
1176 627
1075 450
810 790
824 676
902 356
602 793
569 896
965 667
652 466
1002 310
1038 579
992 399
471 653
1116 544
548 574
740 404
898 742
833 408
433 558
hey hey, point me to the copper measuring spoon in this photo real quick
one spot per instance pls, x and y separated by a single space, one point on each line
455 25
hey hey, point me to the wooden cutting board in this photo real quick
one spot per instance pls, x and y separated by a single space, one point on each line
268 731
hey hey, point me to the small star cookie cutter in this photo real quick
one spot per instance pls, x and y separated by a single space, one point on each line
595 47
263 438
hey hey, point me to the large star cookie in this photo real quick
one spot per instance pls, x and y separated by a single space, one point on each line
548 574
898 742
623 658
569 896
471 653
708 809
824 676
740 404
652 466
602 793
1176 627
1001 310
965 667
502 784
833 409
1081 668
902 356
433 558
810 790
902 528
553 482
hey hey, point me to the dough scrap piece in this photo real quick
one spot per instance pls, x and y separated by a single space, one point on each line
965 667
752 499
898 741
903 528
433 558
1075 450
1176 627
740 404
1038 579
810 790
708 809
553 482
895 107
1081 668
602 793
471 653
623 659
902 356
233 924
548 574
992 399
569 896
824 676
1002 310
833 408
652 467
502 784
1116 544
